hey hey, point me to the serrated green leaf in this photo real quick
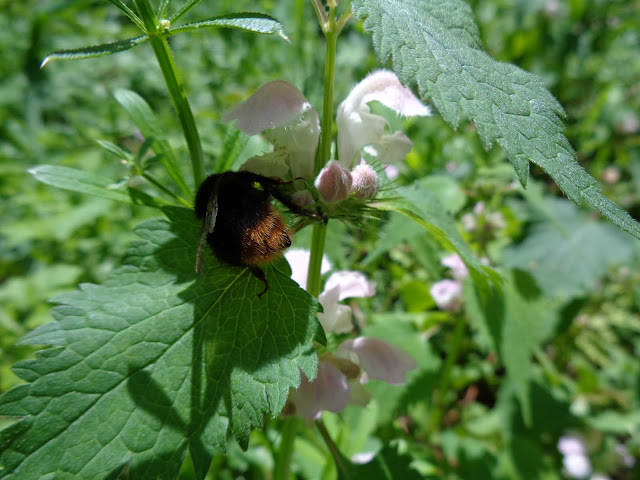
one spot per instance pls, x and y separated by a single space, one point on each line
436 45
424 208
516 319
83 182
149 125
584 249
249 22
153 362
95 50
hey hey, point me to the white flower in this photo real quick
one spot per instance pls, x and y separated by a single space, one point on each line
447 294
577 466
284 116
329 391
358 127
339 286
571 445
298 259
378 359
575 460
457 266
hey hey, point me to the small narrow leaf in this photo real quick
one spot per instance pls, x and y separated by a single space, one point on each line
115 150
149 125
423 207
436 45
79 181
250 22
128 12
94 51
155 361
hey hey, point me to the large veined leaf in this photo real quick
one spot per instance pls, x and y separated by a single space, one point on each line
435 44
154 362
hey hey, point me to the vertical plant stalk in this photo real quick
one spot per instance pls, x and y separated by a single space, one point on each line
176 91
282 468
438 408
320 230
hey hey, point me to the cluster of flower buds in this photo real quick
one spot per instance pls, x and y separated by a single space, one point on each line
280 112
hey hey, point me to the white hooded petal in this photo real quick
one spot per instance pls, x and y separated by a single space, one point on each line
358 127
272 105
385 87
281 113
379 359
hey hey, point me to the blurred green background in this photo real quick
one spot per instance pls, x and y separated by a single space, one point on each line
581 274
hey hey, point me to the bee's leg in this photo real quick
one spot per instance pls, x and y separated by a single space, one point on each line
259 274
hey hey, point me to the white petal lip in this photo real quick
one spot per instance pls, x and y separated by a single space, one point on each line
273 105
298 259
379 359
350 284
329 391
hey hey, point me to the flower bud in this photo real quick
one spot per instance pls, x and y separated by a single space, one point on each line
333 182
365 182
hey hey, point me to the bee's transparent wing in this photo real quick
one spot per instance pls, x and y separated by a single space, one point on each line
208 225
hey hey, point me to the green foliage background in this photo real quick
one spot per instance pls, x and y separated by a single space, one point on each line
569 322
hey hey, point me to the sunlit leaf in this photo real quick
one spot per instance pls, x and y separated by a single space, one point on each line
95 51
155 361
436 45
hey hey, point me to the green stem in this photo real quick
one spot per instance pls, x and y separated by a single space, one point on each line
320 230
160 186
438 407
335 452
282 469
163 54
327 105
176 91
318 237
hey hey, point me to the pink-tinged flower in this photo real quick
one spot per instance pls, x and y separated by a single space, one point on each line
298 259
333 183
577 466
358 127
457 266
340 286
571 445
365 181
284 116
329 391
447 294
391 171
378 359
